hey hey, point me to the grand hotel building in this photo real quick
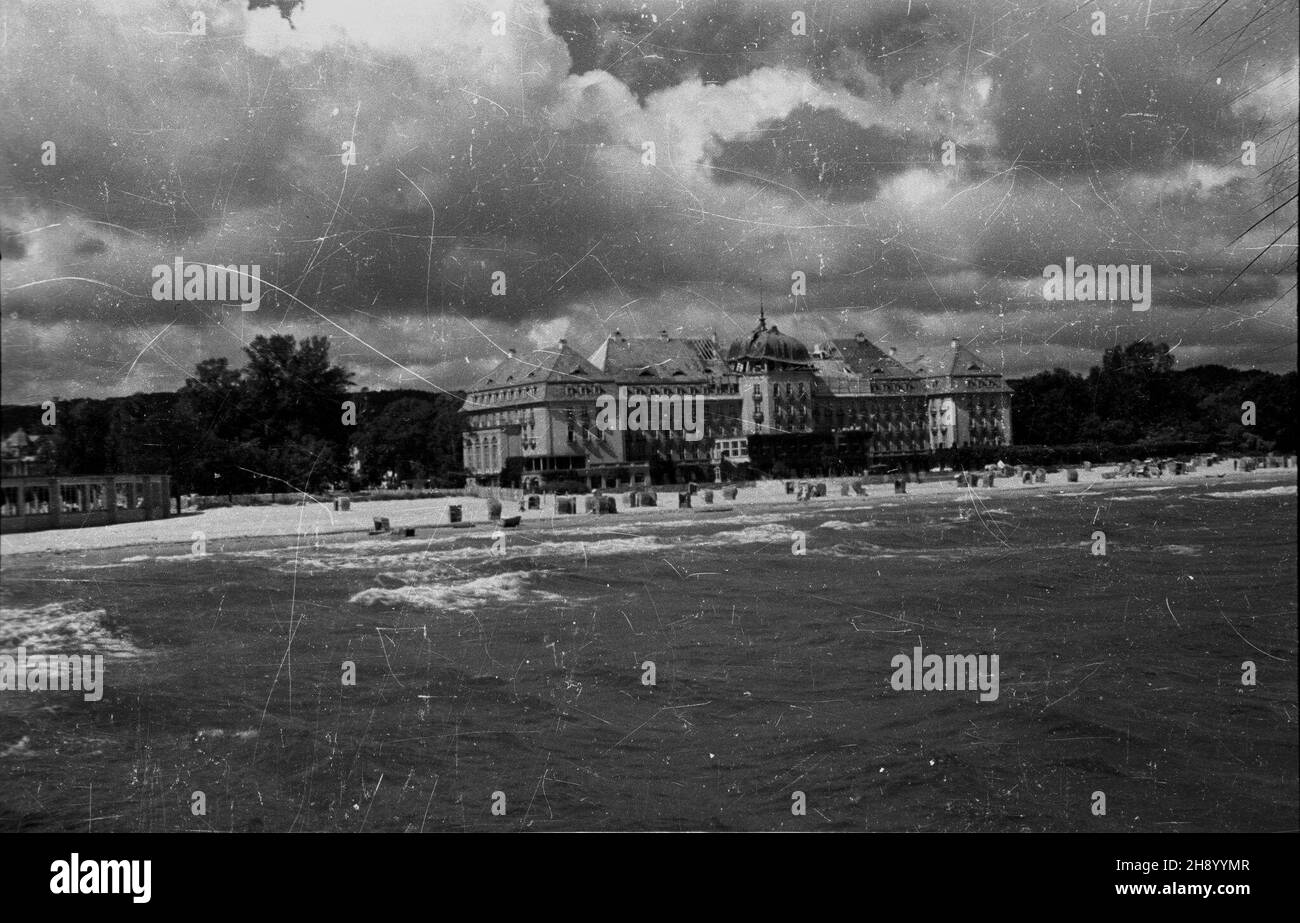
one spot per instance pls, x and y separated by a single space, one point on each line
532 421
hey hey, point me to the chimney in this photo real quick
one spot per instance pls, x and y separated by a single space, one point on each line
563 343
512 352
955 342
618 334
663 335
893 351
860 337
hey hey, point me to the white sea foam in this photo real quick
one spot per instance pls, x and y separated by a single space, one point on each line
859 550
518 545
218 733
497 589
62 627
1186 550
1285 490
419 566
135 559
752 535
709 520
597 547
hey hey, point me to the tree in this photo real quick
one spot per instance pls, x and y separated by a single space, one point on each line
1138 358
1050 408
1133 391
79 442
289 386
212 395
416 436
291 406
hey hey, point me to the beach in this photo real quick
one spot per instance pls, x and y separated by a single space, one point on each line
312 519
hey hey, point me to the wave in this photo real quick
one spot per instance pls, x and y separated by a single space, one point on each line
137 559
1186 550
752 535
1285 490
63 627
497 589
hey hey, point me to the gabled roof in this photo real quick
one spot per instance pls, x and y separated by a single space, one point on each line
862 357
554 364
955 361
658 359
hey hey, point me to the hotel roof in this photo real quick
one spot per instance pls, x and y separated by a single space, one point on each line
955 361
556 364
859 356
658 359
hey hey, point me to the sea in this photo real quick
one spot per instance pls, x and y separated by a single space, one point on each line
733 670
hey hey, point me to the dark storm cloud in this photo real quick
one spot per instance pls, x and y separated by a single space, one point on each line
820 152
816 151
651 46
89 246
524 154
11 244
1142 95
127 117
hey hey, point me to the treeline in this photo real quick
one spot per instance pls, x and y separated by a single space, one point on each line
286 421
1135 401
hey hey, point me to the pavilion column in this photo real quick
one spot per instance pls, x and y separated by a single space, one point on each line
56 503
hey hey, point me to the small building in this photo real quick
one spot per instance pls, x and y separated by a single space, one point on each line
20 454
29 504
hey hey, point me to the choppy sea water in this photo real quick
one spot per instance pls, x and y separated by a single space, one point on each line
522 673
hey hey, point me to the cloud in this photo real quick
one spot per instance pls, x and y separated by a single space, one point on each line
523 152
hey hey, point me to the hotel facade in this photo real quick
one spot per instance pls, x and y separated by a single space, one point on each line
771 405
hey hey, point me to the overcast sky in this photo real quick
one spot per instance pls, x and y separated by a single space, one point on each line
523 153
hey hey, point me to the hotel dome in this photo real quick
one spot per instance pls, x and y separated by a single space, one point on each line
768 344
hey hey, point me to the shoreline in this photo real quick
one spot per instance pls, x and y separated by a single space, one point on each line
317 523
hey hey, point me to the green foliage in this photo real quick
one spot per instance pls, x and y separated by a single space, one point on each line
1136 397
415 436
274 426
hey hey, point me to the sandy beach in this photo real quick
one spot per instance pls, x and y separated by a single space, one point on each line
313 519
